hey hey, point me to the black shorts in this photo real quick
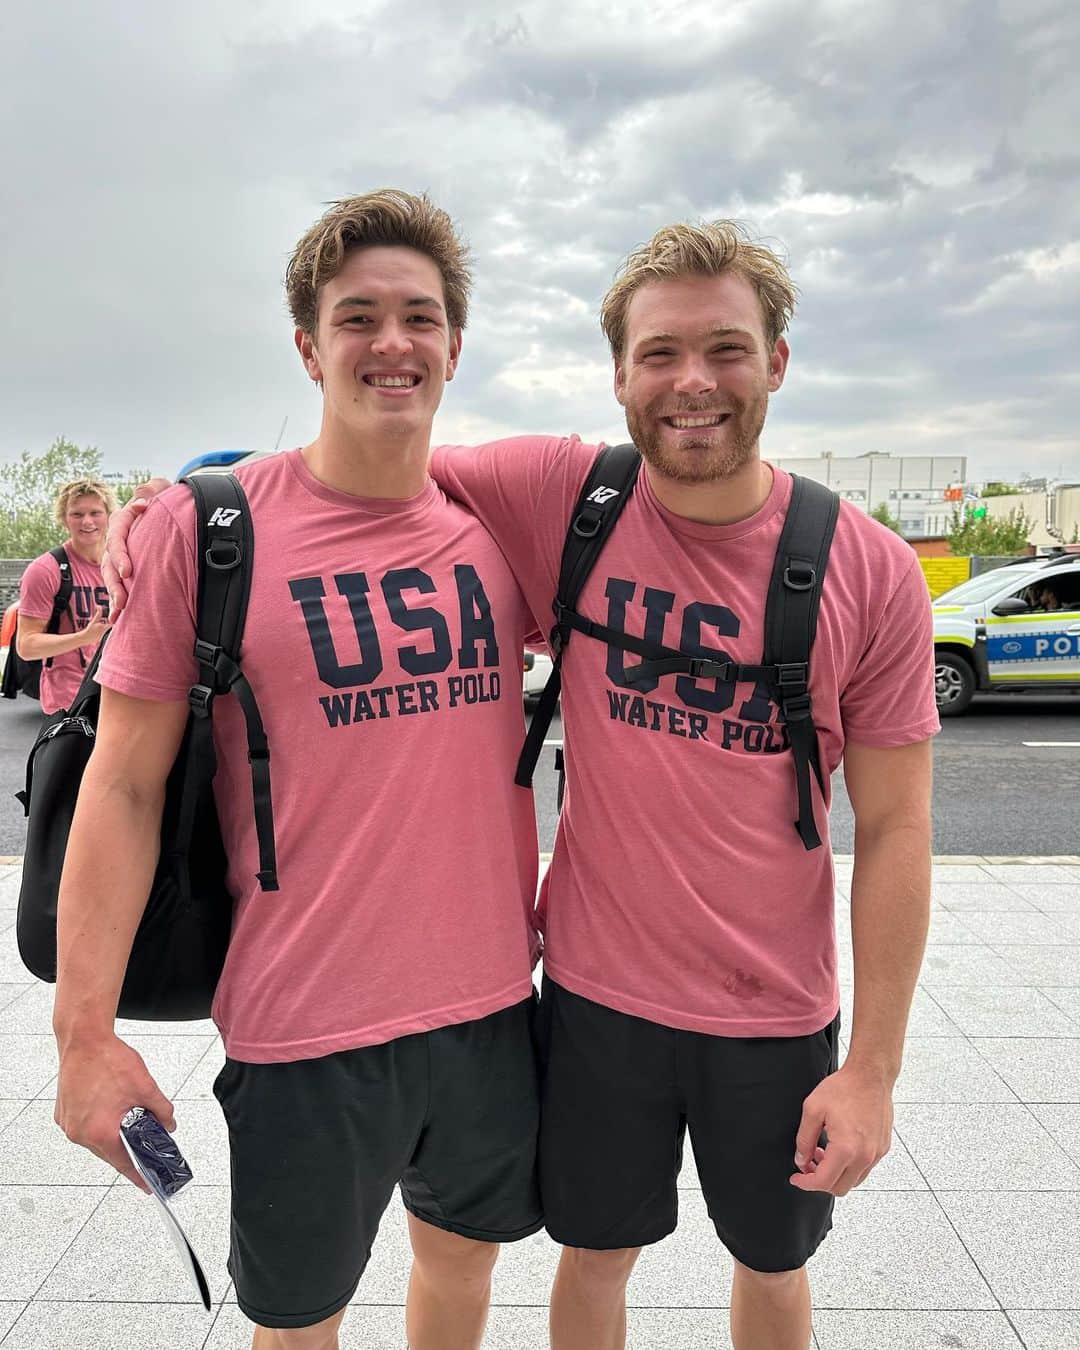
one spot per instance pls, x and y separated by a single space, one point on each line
618 1095
318 1145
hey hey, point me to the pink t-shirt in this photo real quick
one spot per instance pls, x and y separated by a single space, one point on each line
679 890
37 591
383 644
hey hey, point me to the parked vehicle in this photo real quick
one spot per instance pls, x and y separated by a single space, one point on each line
1015 628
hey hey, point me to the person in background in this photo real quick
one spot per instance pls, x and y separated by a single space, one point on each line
82 507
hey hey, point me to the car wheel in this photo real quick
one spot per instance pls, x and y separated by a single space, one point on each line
954 684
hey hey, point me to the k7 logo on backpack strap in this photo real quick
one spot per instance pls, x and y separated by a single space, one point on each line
602 495
223 516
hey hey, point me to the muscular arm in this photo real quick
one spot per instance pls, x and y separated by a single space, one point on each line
34 644
100 905
890 905
890 896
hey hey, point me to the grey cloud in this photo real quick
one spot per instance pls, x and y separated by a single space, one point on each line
911 162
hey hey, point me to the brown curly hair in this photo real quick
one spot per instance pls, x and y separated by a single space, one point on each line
388 217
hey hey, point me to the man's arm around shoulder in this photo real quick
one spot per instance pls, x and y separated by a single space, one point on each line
108 869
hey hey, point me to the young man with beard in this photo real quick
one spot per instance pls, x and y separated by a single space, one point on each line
690 954
376 1009
82 507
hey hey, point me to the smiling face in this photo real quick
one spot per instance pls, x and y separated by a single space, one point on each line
86 520
695 375
383 348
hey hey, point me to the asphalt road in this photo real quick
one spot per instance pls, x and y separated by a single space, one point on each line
992 792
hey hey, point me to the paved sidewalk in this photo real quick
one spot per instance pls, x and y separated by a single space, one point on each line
966 1236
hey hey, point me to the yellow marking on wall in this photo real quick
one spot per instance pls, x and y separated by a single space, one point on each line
942 574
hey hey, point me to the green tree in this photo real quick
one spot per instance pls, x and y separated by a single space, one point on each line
881 514
1000 490
988 536
28 489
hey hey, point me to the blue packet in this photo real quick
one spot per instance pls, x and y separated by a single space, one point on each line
155 1151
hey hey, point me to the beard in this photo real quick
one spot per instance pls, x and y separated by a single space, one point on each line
715 454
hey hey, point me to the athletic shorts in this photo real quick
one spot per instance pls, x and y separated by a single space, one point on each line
318 1145
618 1095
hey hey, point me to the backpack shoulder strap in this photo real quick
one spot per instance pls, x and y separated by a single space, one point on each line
63 594
606 490
600 502
225 548
62 598
791 615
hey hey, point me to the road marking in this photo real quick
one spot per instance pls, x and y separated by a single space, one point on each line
1073 744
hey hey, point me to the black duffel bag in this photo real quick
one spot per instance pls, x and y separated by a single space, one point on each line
181 941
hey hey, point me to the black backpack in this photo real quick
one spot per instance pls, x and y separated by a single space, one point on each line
791 611
180 945
24 677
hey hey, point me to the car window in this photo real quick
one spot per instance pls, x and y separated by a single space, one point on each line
978 588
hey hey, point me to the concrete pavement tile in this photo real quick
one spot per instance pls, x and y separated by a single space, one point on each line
37 1153
895 1251
200 1082
521 1329
12 970
914 1330
27 1063
895 1172
948 929
952 874
1036 1070
9 993
123 1255
1029 874
1068 1000
31 1014
171 1059
985 896
940 1069
983 1148
1047 1330
1030 929
1027 1246
109 1326
970 965
1052 899
37 1225
1062 1121
204 1141
986 1011
9 1313
1039 966
927 1018
9 888
8 1111
1067 924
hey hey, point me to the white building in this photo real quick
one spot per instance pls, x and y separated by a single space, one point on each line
912 487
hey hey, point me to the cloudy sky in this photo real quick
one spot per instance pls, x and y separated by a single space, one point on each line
918 164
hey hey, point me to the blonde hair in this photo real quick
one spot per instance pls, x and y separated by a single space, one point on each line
707 249
82 487
387 217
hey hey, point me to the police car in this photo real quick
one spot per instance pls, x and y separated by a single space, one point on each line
1014 628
